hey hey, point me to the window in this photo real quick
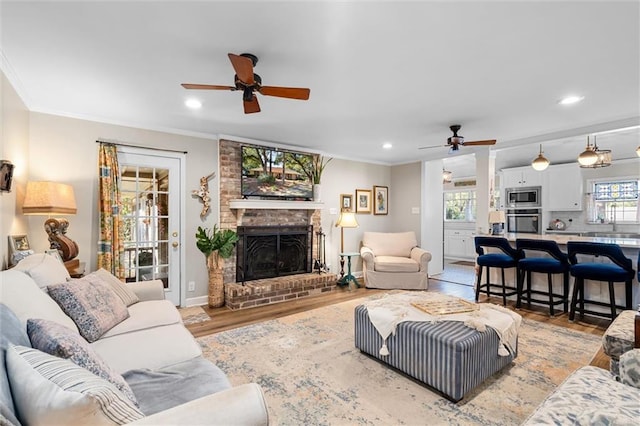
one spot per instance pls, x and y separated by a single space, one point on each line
614 201
460 206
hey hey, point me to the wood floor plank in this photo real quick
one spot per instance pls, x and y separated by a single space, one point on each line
225 319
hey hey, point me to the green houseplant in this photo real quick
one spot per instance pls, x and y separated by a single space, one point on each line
317 167
217 245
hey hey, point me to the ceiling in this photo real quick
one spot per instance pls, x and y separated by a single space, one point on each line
378 72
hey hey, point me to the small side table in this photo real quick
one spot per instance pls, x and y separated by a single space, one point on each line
345 280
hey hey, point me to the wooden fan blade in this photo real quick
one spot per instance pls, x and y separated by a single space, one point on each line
243 67
251 106
285 92
207 87
433 146
487 142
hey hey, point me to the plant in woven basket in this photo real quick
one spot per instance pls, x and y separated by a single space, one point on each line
217 245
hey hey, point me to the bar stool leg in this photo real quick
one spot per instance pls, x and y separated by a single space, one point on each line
488 281
479 283
504 289
519 282
550 283
582 299
627 289
612 301
529 289
565 291
574 298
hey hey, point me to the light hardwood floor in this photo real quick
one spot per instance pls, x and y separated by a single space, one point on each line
225 319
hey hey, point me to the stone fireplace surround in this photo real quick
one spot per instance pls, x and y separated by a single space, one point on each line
235 212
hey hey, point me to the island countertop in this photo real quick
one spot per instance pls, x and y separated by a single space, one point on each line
563 239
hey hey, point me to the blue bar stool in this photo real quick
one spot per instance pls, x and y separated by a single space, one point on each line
556 262
507 259
619 270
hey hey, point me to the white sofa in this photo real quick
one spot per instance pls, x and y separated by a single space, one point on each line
393 260
151 344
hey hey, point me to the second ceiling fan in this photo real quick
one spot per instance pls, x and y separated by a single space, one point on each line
250 83
455 141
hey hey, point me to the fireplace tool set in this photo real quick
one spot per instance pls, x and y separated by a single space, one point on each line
319 264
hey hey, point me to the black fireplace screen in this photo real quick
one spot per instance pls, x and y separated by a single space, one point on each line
273 251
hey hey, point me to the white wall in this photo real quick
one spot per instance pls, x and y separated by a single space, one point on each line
65 150
14 145
344 177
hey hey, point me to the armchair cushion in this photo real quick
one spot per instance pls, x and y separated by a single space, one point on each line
390 243
395 264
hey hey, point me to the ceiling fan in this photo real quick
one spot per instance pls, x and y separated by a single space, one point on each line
250 83
456 141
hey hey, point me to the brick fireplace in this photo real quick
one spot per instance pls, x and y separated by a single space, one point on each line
235 212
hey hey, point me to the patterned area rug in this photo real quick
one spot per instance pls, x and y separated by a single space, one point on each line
312 374
193 315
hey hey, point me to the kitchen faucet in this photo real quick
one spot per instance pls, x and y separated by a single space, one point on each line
613 218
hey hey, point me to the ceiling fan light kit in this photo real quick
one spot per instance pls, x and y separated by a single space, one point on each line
540 162
454 142
250 83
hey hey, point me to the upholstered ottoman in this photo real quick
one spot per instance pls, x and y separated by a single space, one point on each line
619 338
447 355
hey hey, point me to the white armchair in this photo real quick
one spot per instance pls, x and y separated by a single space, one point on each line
393 260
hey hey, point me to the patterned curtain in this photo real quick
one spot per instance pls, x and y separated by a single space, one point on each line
110 243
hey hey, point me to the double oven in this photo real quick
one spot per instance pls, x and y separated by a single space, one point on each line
524 210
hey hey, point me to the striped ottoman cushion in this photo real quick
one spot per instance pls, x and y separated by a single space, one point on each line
447 356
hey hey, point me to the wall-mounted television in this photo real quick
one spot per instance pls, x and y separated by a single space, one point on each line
276 173
6 175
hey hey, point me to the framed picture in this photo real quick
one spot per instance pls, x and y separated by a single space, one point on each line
19 243
55 253
6 175
363 201
380 200
346 202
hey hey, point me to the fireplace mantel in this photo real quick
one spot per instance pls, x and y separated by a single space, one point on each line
275 204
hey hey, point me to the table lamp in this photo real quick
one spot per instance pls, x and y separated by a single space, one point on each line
345 220
496 219
52 198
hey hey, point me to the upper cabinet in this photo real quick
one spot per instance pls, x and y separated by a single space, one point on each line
563 189
520 177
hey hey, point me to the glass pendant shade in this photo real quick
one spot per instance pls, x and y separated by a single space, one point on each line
588 156
446 176
540 163
638 151
603 157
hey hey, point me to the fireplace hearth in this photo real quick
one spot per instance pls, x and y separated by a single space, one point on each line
273 251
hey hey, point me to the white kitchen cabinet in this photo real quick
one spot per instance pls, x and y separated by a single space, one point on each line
459 244
563 188
521 177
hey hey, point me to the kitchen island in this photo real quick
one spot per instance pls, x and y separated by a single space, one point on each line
594 290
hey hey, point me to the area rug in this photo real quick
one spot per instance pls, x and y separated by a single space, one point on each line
193 315
312 374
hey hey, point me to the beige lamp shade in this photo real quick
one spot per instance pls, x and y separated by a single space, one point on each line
49 198
347 220
497 216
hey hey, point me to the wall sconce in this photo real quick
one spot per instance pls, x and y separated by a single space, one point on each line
52 198
540 163
446 176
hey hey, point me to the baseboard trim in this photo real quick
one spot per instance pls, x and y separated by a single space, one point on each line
196 301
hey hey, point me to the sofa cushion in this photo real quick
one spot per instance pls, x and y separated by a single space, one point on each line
13 333
91 304
395 264
45 270
187 380
22 295
149 314
390 243
66 393
119 288
57 340
151 348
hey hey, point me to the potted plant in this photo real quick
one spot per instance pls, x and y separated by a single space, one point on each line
216 245
317 167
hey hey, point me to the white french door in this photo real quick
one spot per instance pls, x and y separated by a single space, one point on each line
151 188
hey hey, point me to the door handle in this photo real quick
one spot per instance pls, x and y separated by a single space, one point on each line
175 244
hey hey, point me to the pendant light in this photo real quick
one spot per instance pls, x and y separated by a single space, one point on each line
588 156
638 151
446 176
603 157
540 163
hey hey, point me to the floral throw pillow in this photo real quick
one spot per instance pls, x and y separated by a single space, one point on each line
58 340
91 304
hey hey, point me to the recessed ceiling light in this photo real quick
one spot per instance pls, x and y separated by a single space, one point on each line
193 103
570 100
387 145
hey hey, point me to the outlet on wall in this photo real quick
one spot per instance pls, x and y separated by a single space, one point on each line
191 286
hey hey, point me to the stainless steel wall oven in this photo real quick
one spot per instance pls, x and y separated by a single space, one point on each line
525 221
